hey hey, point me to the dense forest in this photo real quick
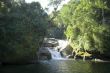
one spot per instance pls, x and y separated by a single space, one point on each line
87 24
23 26
22 29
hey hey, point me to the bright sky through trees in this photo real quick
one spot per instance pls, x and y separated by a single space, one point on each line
44 3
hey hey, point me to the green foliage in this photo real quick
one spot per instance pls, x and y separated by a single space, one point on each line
87 24
56 32
22 29
55 3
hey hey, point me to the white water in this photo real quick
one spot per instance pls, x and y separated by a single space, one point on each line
55 51
55 54
62 44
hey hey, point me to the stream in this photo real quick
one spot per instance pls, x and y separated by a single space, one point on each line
58 66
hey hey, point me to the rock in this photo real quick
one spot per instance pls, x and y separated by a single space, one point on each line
69 56
44 53
50 42
100 60
67 51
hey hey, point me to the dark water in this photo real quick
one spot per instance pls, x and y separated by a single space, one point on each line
58 66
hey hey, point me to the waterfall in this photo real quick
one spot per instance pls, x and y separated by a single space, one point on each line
55 54
55 46
62 44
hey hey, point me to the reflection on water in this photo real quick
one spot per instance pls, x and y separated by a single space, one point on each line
58 66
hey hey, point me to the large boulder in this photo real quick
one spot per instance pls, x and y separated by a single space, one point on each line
67 51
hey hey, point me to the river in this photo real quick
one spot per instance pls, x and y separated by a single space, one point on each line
58 66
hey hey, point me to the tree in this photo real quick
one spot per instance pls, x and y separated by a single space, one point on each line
23 27
87 25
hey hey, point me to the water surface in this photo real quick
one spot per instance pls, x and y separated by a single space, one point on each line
58 66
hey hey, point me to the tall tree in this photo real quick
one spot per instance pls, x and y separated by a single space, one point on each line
22 29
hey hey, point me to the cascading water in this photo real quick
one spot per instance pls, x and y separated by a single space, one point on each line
55 54
55 47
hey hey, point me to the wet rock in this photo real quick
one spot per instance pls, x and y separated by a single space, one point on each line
50 42
44 53
70 56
